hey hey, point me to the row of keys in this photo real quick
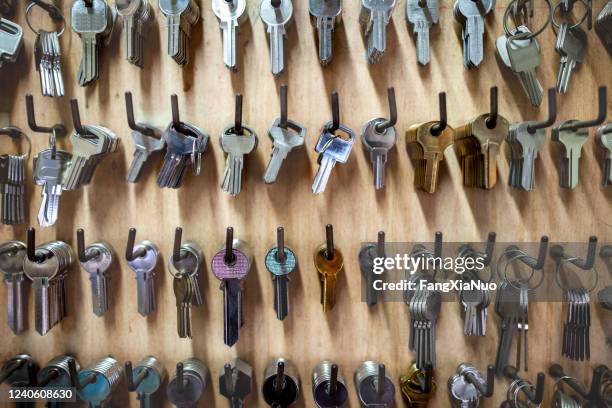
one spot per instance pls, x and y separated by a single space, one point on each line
94 22
476 143
281 384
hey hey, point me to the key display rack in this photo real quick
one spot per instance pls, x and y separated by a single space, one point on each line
350 333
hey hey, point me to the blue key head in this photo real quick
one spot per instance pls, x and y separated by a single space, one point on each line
278 268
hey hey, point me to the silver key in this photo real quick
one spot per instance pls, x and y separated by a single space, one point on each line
571 46
603 136
471 14
378 144
12 254
278 16
374 17
11 40
524 151
136 15
231 13
143 261
284 140
145 146
236 144
181 15
96 259
332 149
49 172
572 142
421 19
524 61
325 15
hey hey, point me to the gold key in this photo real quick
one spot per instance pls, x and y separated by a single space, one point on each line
329 262
429 140
477 145
417 387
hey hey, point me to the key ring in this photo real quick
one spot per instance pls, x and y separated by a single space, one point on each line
584 17
470 253
343 128
54 12
525 36
519 388
520 254
14 132
558 275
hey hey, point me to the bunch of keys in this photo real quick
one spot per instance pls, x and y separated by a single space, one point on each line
332 148
96 260
186 386
236 382
374 386
417 386
231 14
430 140
231 265
136 15
12 254
142 259
280 262
145 379
236 140
94 22
184 266
286 135
329 388
374 17
367 254
471 14
98 382
12 179
180 15
422 14
47 51
325 15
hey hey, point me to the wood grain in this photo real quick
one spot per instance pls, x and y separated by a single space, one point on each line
351 332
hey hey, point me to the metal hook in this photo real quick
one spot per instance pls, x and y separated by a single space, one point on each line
535 397
382 126
229 380
176 249
557 251
552 113
76 121
602 92
283 107
181 381
133 383
85 255
380 245
229 246
176 119
16 365
329 241
438 244
279 382
593 397
427 381
74 376
491 121
280 245
486 256
486 389
129 108
536 264
31 248
333 380
439 127
380 380
54 373
335 112
130 253
238 114
59 129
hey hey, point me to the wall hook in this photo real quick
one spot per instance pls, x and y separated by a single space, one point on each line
487 389
535 397
557 251
491 121
238 114
380 245
280 244
602 93
593 397
130 253
487 255
176 118
384 125
538 263
552 113
176 248
85 255
58 128
32 255
329 242
279 381
133 383
283 107
335 104
129 108
76 121
229 246
54 373
439 127
74 376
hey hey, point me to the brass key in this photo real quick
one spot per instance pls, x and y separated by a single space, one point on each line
329 262
430 139
417 386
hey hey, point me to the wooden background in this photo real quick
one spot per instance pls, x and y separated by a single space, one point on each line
351 332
